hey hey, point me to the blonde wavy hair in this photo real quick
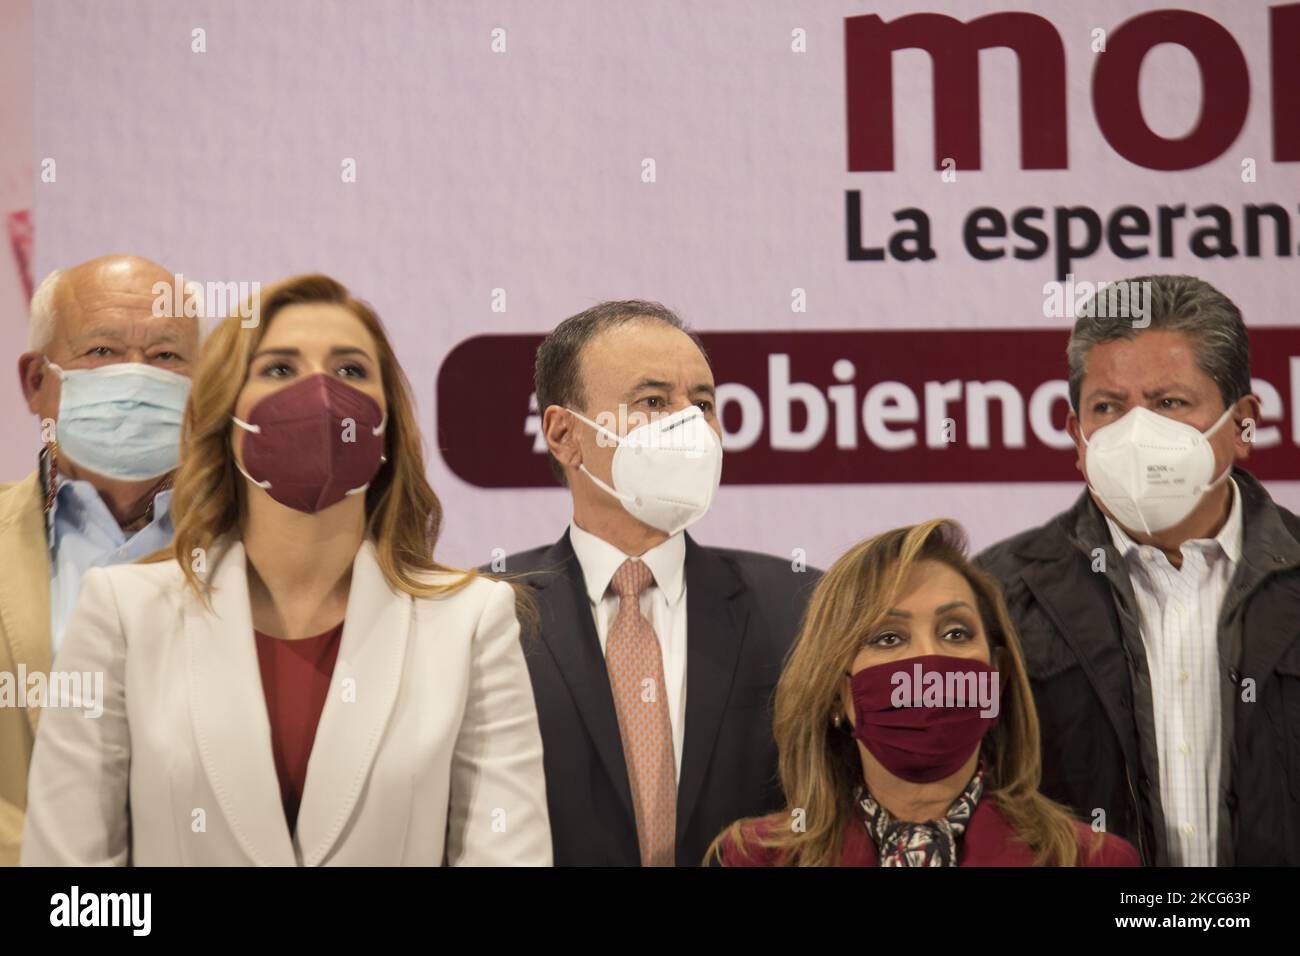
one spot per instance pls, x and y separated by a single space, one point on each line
403 515
820 767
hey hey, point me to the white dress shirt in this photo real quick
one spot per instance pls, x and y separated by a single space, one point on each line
663 604
1179 609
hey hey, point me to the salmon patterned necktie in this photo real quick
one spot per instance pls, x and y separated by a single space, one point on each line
636 676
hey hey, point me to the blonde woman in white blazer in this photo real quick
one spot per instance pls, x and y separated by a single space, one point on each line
296 682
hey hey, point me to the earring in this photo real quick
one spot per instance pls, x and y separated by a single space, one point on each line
837 721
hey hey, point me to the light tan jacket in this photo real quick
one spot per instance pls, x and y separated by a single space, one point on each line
24 640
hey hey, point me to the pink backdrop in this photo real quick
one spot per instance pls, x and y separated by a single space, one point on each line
18 430
523 171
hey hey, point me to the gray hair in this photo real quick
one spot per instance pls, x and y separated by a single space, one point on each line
42 320
1174 304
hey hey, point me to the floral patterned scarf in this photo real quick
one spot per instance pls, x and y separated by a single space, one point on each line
900 843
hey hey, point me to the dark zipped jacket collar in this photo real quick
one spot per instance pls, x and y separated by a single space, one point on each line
1269 546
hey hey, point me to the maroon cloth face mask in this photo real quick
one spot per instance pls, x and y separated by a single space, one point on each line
313 443
923 717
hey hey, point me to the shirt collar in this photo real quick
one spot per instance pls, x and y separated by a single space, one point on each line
600 559
77 495
1229 537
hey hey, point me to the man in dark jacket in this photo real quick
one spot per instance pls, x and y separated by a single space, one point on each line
653 658
1160 615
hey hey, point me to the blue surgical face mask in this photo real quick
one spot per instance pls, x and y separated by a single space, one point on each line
123 420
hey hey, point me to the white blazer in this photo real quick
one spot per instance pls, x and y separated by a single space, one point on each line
427 752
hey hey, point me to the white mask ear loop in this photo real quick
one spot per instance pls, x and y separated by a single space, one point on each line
255 429
377 431
618 439
1227 412
620 495
260 484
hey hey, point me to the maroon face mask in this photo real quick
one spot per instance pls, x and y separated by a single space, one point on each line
923 717
313 443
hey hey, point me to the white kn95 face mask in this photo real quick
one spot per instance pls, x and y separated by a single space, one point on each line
665 472
1151 471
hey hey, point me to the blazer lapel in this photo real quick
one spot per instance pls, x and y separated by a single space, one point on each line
569 632
229 711
857 848
363 691
990 841
716 619
25 585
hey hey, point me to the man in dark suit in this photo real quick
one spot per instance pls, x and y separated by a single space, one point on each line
653 658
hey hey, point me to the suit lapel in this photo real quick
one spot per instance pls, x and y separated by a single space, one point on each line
364 688
716 619
25 585
715 627
229 711
569 633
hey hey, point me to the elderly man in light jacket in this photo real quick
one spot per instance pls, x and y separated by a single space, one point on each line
107 376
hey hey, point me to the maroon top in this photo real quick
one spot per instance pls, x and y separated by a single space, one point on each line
988 841
295 679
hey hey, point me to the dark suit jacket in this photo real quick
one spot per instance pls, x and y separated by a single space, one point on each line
743 611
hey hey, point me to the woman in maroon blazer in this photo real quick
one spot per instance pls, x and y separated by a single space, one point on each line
906 726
